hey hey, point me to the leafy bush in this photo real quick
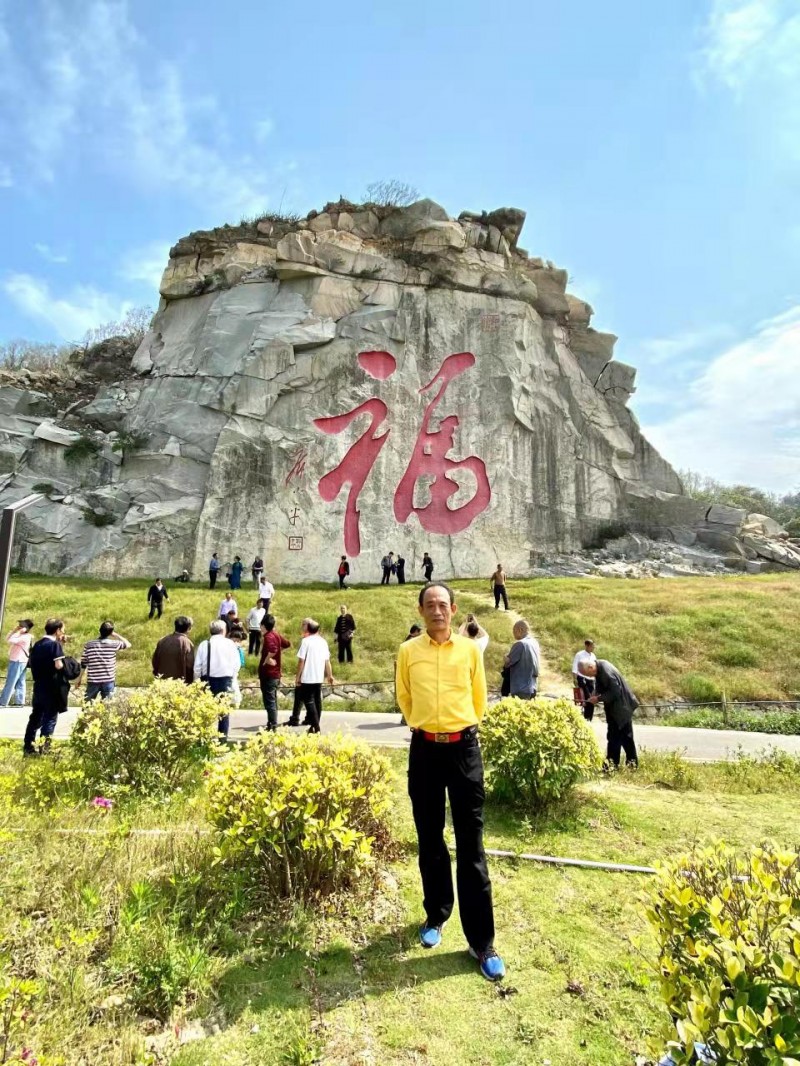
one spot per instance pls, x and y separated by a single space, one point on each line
130 442
45 487
84 447
303 816
728 933
97 518
698 687
146 741
784 723
56 780
536 751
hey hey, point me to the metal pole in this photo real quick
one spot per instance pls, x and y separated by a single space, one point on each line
7 522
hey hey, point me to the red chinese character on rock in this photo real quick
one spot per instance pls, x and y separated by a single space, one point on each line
429 458
355 467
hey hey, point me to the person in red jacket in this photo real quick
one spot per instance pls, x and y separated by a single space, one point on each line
269 668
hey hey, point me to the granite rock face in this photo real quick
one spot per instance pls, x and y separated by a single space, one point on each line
420 367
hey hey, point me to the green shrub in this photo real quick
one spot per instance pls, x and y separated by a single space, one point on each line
84 447
303 816
57 780
785 723
45 487
536 751
728 933
146 741
736 655
698 687
97 518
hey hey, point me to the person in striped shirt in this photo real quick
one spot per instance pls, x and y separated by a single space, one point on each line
99 660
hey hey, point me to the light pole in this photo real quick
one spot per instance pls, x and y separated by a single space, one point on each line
7 522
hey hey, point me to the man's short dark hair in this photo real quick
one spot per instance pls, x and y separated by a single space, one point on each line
473 629
436 585
158 579
312 626
268 622
106 629
52 625
183 623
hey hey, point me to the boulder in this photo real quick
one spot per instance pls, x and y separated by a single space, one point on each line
763 525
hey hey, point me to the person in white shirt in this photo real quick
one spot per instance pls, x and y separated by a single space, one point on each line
254 617
583 683
313 667
472 629
266 593
217 663
228 606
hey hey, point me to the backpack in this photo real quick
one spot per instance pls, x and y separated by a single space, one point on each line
72 669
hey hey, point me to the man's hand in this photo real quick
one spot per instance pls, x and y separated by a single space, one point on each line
593 699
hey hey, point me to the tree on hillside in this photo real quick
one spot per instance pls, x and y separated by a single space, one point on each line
784 509
134 326
20 354
391 193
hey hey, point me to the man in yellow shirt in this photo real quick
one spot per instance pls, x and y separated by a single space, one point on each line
441 690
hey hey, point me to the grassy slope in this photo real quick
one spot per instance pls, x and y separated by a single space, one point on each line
691 637
364 991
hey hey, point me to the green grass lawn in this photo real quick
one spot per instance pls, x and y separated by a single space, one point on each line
349 984
690 637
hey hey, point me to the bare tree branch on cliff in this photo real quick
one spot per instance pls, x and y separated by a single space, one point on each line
391 193
133 326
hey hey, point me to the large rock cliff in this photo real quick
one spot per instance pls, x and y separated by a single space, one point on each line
364 380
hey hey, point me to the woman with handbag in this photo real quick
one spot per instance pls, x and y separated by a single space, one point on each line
344 630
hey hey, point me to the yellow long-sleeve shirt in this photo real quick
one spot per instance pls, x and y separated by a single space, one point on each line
441 687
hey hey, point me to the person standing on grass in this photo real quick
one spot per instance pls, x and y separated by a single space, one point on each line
470 628
441 690
266 593
50 686
213 570
344 630
343 571
254 618
269 669
313 667
294 717
257 569
19 651
400 567
236 572
387 565
427 566
613 691
99 660
228 606
583 684
174 654
523 662
156 595
498 580
217 663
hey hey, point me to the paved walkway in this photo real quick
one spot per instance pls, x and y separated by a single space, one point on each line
705 745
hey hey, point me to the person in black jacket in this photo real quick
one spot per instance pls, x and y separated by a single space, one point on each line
400 566
50 687
612 690
156 595
344 629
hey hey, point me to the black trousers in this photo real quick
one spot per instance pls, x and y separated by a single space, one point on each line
156 606
342 578
212 578
346 650
401 575
311 698
500 593
45 710
455 770
254 641
586 685
387 573
620 738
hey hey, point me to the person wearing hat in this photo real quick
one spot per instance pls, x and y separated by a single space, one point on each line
19 651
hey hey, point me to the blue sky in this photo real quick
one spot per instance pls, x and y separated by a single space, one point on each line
654 145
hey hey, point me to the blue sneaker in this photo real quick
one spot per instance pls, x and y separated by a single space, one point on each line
492 966
430 936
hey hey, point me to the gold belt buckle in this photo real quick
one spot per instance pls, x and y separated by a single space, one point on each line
442 738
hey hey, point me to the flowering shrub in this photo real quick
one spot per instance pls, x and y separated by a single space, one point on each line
145 741
728 932
536 751
303 816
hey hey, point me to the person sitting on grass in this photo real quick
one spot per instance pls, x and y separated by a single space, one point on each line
612 690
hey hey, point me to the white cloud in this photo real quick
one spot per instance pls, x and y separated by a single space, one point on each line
264 129
146 264
71 316
46 252
751 47
90 78
740 419
672 349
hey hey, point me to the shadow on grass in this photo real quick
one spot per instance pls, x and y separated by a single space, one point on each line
392 961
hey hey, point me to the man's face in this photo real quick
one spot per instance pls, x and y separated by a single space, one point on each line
436 609
589 647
